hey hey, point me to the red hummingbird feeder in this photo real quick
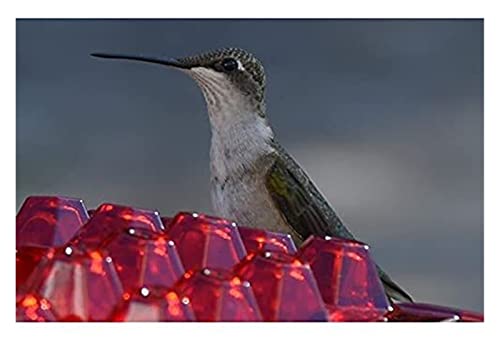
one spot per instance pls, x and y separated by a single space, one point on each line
119 263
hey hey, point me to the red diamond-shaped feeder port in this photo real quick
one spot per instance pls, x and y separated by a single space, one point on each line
219 295
78 286
285 287
144 259
154 306
110 221
206 241
422 312
347 278
47 221
256 240
31 308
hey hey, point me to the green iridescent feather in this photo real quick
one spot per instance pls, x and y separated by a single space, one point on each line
307 211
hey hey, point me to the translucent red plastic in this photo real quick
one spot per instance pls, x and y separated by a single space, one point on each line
47 221
32 308
166 221
78 286
256 240
144 259
27 259
110 221
219 295
284 287
206 241
128 264
154 306
347 278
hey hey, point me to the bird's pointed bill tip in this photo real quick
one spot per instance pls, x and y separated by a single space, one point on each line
156 60
107 55
100 55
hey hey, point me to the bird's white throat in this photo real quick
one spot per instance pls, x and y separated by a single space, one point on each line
240 136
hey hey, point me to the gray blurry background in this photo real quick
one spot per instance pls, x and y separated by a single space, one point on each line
386 116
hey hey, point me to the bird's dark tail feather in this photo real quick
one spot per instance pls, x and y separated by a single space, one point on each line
393 290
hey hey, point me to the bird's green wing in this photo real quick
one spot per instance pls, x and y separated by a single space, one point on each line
300 202
306 210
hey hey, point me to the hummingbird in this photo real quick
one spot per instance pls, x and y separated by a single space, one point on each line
254 180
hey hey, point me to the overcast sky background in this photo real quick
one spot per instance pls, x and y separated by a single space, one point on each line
386 117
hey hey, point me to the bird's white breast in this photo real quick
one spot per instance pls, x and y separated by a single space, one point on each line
240 154
240 157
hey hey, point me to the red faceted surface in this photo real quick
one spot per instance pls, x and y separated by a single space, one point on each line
347 278
110 221
421 312
78 286
353 314
147 306
285 287
166 221
47 221
219 295
122 265
206 241
31 308
27 258
144 259
256 240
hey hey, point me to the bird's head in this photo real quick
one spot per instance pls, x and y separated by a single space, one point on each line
231 79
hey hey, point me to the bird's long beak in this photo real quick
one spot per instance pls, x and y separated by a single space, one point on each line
155 60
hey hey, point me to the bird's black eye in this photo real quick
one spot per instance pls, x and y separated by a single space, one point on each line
229 64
